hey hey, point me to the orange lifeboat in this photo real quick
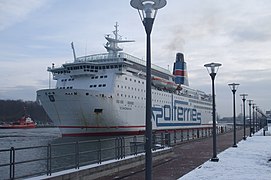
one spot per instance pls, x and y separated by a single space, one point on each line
162 83
158 82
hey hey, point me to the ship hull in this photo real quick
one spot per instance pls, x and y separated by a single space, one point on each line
92 113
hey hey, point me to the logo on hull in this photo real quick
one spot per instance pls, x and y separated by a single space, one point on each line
177 114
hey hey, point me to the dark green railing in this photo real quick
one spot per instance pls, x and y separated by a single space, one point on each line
51 158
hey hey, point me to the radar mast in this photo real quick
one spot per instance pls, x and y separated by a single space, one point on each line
112 44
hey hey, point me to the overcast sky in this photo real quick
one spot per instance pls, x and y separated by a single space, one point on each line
235 33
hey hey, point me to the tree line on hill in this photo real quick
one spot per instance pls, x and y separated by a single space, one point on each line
12 110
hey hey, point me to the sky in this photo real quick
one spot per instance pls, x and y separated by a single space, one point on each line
250 160
36 33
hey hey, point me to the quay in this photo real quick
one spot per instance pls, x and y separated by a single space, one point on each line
170 163
185 158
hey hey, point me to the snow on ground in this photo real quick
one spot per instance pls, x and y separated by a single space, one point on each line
249 161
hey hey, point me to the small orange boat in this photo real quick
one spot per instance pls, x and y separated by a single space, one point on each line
24 122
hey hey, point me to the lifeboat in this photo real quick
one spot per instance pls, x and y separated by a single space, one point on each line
171 86
158 82
162 83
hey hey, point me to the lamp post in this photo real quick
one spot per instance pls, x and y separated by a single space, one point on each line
260 118
244 114
256 118
250 128
147 10
212 69
253 114
234 87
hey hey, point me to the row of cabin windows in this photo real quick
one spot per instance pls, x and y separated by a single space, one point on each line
134 80
130 96
200 102
142 98
70 87
132 88
94 67
96 77
87 67
161 94
62 80
95 85
154 93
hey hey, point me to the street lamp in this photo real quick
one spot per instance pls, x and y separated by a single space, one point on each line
250 128
256 118
253 112
212 69
259 118
147 10
234 87
244 107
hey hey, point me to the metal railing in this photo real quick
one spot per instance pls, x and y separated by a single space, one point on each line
16 163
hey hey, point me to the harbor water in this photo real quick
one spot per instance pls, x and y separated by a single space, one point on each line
62 149
20 138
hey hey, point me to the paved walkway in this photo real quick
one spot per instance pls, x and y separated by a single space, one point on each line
186 157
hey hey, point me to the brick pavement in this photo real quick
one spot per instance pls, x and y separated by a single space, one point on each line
186 157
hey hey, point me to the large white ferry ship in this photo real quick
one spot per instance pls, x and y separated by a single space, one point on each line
104 94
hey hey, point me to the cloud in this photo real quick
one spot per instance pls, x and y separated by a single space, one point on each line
14 11
19 92
36 33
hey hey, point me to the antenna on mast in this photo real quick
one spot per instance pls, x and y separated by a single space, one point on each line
112 44
74 55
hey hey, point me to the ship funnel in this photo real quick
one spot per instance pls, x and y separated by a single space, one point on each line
180 71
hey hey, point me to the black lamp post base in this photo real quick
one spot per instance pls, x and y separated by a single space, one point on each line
234 145
215 159
244 138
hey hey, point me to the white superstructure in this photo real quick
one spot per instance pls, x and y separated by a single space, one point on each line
104 94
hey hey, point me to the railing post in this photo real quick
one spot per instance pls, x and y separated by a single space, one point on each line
135 145
162 139
116 150
121 147
167 139
49 160
11 163
99 152
118 147
76 155
123 139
